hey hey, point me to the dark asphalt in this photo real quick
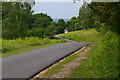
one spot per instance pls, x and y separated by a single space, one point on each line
27 64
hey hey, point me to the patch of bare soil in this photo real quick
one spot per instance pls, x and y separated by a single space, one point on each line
70 66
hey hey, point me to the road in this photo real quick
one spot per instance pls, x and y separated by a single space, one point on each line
27 64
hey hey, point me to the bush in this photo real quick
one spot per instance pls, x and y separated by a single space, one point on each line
105 57
36 32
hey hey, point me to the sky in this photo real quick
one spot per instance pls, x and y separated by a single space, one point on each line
64 10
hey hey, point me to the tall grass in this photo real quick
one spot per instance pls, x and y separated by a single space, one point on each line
105 57
11 45
102 61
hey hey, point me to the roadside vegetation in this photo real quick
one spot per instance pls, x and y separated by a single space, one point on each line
90 36
10 47
102 61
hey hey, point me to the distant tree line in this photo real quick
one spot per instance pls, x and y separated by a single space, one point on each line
18 20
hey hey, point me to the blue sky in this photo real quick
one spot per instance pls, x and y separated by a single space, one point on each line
58 9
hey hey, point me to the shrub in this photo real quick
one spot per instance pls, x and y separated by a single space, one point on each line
37 32
105 57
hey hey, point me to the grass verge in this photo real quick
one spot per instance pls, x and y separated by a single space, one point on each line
90 35
26 49
12 47
102 61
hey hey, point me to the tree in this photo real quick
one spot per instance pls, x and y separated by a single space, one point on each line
72 24
85 18
109 14
39 32
16 17
42 20
41 26
61 25
50 31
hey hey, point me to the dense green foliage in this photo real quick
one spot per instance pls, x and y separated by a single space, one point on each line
16 17
104 16
72 24
109 14
60 26
41 20
41 24
102 61
11 45
18 21
86 17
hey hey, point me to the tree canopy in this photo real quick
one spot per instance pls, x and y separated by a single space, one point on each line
109 13
16 17
104 16
41 20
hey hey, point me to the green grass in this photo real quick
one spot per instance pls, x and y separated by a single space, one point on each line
0 47
90 35
102 61
26 49
12 47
